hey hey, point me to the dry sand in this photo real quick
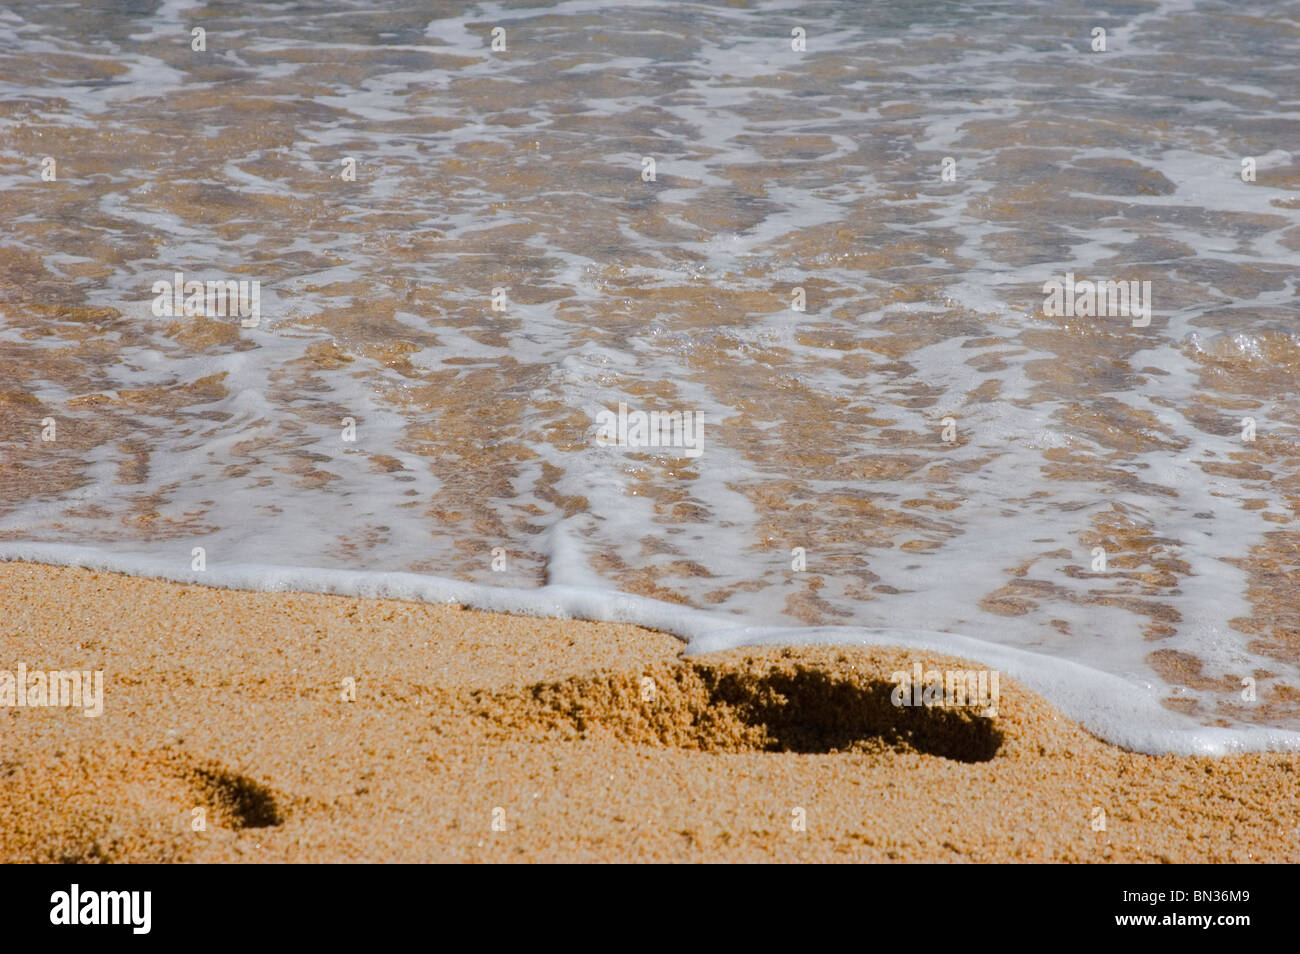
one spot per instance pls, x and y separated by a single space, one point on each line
582 741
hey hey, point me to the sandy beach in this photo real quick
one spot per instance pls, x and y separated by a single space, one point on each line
283 727
963 326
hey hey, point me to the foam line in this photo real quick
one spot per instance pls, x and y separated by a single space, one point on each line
1117 710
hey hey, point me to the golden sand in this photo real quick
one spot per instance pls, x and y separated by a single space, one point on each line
482 737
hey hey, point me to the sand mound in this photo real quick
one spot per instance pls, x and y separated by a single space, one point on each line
773 702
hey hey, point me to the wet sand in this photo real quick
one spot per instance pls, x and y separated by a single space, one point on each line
469 736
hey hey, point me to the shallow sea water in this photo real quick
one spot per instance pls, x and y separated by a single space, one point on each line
945 454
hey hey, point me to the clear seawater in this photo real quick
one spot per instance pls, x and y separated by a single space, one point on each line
476 475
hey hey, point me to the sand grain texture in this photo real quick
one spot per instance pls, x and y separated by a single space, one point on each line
586 741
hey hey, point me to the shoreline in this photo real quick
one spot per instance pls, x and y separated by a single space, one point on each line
477 736
1103 703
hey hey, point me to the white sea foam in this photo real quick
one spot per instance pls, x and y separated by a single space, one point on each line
475 428
1118 710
